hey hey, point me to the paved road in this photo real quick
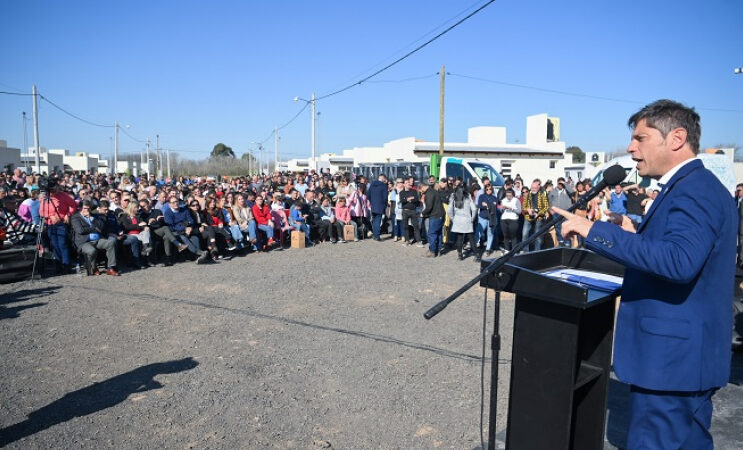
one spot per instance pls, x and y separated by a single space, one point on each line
300 349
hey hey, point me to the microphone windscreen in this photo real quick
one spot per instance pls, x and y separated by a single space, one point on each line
614 175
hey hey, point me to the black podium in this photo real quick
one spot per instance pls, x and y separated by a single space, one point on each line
562 341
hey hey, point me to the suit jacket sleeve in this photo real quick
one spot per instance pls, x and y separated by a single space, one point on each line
679 256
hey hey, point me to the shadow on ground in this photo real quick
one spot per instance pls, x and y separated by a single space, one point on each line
23 295
93 398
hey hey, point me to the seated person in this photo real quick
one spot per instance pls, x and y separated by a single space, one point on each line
181 224
262 215
328 225
88 236
343 215
156 223
245 220
17 231
298 219
113 231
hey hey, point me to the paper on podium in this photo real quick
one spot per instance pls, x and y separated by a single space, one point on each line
586 278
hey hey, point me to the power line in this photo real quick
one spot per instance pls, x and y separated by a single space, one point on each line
576 94
405 80
123 130
285 125
14 93
459 22
408 45
73 115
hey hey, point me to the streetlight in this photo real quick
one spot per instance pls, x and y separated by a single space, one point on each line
738 70
311 102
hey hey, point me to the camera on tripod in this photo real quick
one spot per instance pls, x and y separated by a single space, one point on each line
47 183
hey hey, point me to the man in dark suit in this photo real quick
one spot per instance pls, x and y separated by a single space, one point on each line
88 236
674 323
377 195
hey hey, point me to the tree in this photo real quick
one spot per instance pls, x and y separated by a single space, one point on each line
221 151
578 155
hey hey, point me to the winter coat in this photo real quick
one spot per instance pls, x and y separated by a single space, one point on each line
462 218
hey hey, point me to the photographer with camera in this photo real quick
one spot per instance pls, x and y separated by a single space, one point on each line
56 210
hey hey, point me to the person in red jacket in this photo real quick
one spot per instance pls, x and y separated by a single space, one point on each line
56 211
262 214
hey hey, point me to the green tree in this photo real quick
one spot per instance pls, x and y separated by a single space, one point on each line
220 151
578 155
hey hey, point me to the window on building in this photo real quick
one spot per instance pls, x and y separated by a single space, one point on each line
552 164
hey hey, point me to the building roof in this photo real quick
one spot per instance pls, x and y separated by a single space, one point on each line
432 147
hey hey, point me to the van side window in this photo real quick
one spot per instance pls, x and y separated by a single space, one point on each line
454 170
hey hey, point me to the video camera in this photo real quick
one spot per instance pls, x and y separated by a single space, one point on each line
47 183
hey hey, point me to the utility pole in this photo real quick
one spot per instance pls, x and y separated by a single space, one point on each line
312 104
116 149
168 151
25 134
159 166
276 148
36 132
148 158
441 110
260 162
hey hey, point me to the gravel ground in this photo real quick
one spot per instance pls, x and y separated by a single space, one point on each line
328 350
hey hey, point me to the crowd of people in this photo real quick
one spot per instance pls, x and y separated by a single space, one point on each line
92 219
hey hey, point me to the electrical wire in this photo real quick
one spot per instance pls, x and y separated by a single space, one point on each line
286 124
123 130
73 115
405 80
408 45
574 94
14 93
405 56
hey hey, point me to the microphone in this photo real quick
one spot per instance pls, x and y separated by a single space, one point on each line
612 176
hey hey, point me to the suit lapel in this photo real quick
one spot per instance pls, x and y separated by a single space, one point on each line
684 171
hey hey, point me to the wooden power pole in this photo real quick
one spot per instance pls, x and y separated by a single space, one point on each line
441 110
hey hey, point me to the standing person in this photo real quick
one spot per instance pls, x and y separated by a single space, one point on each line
433 210
511 210
486 202
56 209
560 198
377 194
674 322
618 201
535 208
463 211
409 202
636 200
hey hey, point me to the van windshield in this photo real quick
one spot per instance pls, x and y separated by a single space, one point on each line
486 170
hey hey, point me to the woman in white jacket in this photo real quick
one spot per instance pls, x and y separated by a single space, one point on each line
463 211
510 208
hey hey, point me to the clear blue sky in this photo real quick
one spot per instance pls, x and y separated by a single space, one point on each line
198 73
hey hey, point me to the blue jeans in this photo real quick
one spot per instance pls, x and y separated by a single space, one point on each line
558 232
532 227
301 226
237 235
397 230
192 242
58 238
376 225
134 244
635 218
484 229
267 229
434 234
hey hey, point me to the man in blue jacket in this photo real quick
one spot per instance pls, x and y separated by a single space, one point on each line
674 326
377 194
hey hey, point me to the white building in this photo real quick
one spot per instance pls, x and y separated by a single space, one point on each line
49 162
541 156
10 158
